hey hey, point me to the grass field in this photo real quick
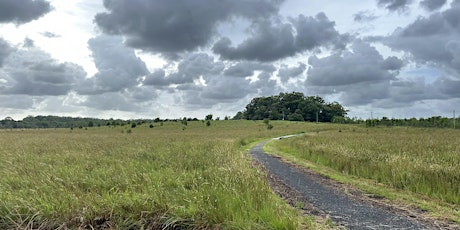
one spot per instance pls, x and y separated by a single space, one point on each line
408 160
130 178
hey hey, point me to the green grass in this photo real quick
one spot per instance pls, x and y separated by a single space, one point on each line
418 166
170 176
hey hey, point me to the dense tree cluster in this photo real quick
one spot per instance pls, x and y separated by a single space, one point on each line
292 106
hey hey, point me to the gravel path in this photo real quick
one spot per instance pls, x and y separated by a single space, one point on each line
345 211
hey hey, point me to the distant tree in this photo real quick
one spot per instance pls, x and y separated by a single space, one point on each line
90 124
208 117
293 106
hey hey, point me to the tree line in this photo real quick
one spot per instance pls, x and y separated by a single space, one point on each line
293 106
431 122
43 122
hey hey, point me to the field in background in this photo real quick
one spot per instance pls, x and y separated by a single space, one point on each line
170 175
422 161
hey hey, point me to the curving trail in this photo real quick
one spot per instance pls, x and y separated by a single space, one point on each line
347 212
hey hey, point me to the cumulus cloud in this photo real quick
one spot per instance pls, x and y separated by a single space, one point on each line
274 39
50 34
191 68
364 16
247 69
394 5
16 101
5 50
285 72
118 66
363 64
22 11
431 5
31 71
433 40
360 75
225 89
174 26
111 101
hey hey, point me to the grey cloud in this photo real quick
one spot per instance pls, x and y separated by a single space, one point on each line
28 43
174 26
191 68
432 40
22 11
5 50
156 78
363 64
394 5
364 16
142 94
405 92
118 66
447 87
246 69
431 5
285 72
392 63
317 31
226 89
111 101
273 40
365 93
50 34
33 72
270 42
16 101
265 85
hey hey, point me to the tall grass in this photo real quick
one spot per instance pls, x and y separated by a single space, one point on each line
425 161
165 177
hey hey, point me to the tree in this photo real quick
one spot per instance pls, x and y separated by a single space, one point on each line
208 117
293 106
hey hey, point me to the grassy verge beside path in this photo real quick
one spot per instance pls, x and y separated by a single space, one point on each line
411 166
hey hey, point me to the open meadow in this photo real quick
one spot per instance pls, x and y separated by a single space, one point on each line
422 164
197 176
172 175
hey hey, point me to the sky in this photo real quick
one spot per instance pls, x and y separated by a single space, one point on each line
134 59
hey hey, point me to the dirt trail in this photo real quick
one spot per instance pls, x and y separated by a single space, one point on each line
344 210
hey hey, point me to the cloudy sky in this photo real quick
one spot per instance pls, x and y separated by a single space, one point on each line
170 59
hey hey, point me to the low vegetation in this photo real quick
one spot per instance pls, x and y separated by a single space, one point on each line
412 160
188 174
125 178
